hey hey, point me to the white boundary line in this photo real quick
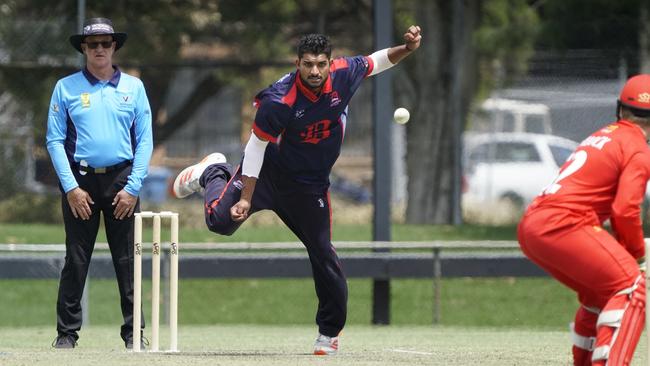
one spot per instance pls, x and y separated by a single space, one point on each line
411 352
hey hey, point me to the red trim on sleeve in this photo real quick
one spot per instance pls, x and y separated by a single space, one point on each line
263 134
339 63
371 65
290 98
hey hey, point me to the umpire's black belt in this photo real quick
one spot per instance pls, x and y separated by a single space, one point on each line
103 170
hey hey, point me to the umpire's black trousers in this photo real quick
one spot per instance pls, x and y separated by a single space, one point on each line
80 241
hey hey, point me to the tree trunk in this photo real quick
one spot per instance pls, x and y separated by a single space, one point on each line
644 37
444 67
207 88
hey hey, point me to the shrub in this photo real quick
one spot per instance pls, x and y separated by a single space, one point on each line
28 207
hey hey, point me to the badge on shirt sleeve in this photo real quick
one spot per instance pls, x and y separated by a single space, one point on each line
334 99
85 100
55 108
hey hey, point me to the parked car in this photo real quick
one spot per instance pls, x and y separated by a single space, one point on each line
510 167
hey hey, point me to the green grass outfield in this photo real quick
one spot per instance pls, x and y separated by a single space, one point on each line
498 302
47 233
291 345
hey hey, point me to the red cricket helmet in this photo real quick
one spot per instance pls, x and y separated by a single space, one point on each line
636 92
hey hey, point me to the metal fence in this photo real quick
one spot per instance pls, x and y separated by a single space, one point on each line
433 259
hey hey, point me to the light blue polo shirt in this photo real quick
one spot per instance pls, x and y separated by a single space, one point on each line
101 122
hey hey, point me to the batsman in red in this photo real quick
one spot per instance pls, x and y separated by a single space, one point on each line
562 231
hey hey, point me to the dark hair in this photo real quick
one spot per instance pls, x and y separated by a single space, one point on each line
634 114
315 44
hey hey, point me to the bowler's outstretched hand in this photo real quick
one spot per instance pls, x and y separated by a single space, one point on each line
412 38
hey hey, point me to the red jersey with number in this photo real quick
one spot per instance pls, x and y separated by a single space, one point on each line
606 177
306 130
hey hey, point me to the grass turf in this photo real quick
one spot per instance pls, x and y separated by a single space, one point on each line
291 345
48 233
502 302
244 345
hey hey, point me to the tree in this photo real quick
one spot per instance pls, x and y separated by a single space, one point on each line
228 43
644 37
619 28
595 24
234 40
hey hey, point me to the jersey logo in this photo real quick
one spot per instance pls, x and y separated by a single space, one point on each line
644 98
55 108
125 101
85 100
300 113
316 132
334 99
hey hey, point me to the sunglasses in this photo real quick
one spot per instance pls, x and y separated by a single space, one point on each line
104 44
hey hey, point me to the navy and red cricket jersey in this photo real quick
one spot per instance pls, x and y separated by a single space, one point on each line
306 130
305 133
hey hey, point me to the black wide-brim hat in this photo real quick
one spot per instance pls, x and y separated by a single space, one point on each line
97 27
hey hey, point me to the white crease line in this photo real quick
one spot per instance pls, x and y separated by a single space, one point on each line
413 352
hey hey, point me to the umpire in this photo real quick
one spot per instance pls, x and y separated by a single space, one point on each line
100 142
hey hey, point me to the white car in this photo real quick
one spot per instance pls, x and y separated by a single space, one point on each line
510 167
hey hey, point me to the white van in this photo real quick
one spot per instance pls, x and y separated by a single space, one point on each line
510 115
